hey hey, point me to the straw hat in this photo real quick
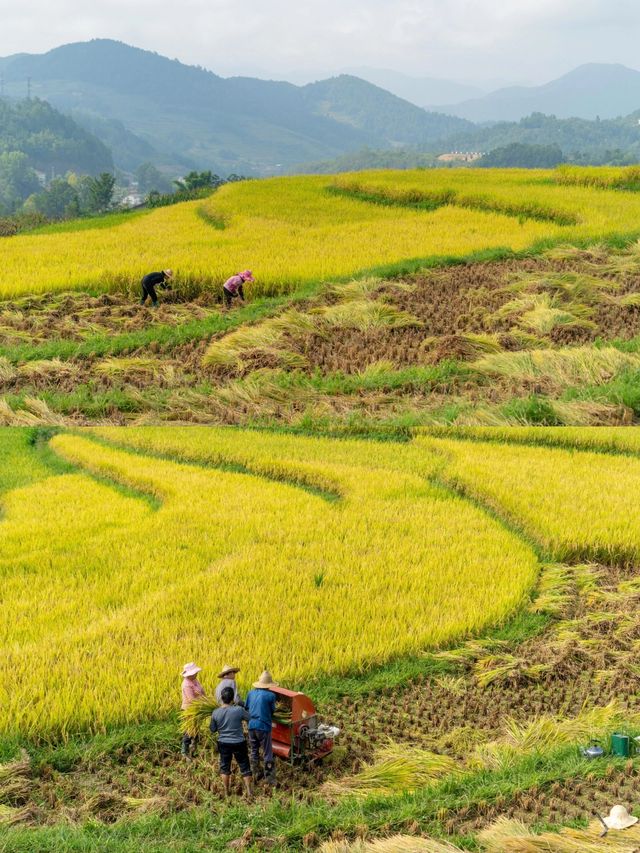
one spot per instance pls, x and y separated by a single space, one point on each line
265 681
227 670
168 273
191 669
619 818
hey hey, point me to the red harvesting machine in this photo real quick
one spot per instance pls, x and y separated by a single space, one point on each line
298 737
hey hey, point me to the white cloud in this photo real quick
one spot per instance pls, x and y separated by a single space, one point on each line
449 38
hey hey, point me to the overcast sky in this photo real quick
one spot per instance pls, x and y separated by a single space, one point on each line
472 40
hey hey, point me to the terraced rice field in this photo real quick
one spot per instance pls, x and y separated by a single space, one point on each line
482 566
292 231
154 564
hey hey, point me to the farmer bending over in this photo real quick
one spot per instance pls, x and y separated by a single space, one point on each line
191 689
227 722
151 281
261 703
227 676
234 287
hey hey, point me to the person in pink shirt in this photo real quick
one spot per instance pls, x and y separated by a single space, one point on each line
191 689
234 287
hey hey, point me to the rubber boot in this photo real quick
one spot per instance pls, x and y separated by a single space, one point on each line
270 773
256 769
185 749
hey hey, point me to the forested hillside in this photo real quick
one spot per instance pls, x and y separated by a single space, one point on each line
240 124
34 137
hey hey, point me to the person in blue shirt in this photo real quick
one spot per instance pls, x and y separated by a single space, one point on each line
261 704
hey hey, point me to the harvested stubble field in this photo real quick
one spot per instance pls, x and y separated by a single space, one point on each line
553 339
484 728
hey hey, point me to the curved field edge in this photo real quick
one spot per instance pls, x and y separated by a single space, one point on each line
554 495
328 585
610 440
306 236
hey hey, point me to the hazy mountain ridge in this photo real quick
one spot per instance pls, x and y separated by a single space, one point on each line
426 92
233 124
589 91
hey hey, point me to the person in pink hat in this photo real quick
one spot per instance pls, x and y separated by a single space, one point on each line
191 689
234 287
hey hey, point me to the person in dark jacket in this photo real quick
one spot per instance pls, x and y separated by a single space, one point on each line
153 280
227 722
261 704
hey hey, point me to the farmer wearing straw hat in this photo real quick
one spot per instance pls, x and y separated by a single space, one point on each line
228 679
191 689
261 704
153 280
234 287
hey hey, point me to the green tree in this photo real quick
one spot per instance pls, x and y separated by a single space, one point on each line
58 201
17 180
82 184
101 192
150 178
522 155
198 180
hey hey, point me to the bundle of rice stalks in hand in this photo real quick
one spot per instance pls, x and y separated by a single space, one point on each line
512 836
396 768
193 718
393 844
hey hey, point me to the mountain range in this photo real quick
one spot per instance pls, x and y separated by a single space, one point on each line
188 117
147 108
427 92
589 91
